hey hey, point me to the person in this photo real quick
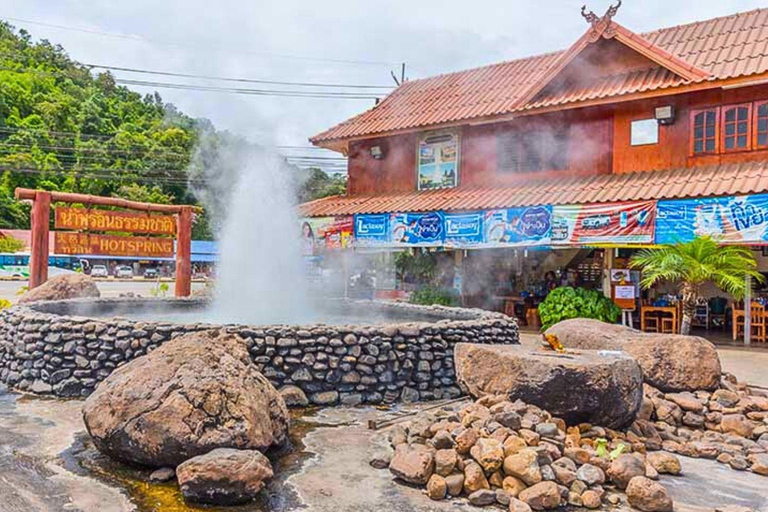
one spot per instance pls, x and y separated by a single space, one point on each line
550 281
307 240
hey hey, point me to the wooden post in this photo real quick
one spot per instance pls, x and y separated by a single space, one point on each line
38 259
748 310
184 253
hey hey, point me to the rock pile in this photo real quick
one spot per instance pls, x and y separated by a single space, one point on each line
499 451
65 286
729 424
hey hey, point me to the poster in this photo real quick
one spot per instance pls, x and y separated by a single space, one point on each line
733 219
525 226
372 230
318 233
612 223
438 160
463 230
417 229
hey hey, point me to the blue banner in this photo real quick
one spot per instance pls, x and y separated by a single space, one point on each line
733 219
518 226
417 229
464 230
372 230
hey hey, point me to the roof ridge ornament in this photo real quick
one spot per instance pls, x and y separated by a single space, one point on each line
601 26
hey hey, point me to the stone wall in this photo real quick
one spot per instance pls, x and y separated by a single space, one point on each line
45 349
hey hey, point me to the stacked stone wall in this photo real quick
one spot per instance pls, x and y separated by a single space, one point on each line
46 349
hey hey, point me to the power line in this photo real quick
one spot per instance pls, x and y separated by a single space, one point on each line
241 80
250 92
203 47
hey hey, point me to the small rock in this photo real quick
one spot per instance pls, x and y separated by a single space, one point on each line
759 463
590 474
445 461
513 485
162 475
542 496
455 483
502 497
648 496
381 459
294 396
413 463
489 453
591 499
524 465
624 468
482 497
664 463
474 478
436 487
516 505
737 424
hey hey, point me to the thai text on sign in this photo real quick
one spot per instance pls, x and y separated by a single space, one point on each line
82 219
86 243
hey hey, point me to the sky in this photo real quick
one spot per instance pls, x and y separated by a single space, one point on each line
303 41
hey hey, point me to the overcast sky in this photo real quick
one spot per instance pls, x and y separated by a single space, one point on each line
233 37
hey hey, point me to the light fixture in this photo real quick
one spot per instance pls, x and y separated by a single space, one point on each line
376 152
665 114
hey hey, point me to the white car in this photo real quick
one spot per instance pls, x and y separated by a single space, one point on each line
99 271
124 272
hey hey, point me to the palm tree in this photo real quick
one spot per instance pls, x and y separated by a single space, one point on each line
691 264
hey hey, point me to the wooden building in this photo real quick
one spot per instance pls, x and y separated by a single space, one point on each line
674 114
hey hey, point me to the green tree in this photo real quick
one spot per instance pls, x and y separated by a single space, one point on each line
317 184
691 264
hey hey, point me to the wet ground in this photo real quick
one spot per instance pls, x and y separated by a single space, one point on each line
47 463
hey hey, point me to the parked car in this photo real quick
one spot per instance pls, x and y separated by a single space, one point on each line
124 272
151 273
99 271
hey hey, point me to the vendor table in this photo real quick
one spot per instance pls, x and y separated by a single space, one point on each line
669 324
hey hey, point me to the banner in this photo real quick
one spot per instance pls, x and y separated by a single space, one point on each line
86 243
613 223
82 219
739 219
518 226
372 230
463 230
417 229
326 233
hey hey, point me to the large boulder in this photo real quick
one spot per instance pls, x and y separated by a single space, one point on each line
65 286
224 476
195 393
670 362
582 386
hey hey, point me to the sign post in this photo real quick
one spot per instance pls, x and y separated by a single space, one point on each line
79 242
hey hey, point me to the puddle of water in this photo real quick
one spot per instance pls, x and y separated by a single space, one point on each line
84 459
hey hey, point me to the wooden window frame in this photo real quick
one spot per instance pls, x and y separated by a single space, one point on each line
755 125
692 143
722 122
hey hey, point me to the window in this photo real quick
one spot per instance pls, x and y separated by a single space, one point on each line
736 127
540 150
644 131
761 125
704 124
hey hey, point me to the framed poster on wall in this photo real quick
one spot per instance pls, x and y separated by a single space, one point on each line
437 160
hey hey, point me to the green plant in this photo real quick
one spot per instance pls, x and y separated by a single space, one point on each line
567 302
691 264
429 295
159 290
9 244
4 303
416 266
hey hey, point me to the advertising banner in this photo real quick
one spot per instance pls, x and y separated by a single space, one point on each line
87 243
438 165
733 219
417 229
511 227
372 230
326 233
82 219
464 230
613 223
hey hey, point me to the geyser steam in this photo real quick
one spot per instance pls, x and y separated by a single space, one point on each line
260 276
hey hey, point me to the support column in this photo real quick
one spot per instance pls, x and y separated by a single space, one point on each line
38 259
184 253
608 260
748 310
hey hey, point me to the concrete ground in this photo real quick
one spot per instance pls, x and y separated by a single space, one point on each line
48 465
9 290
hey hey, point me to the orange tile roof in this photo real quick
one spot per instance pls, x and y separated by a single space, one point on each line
714 180
727 47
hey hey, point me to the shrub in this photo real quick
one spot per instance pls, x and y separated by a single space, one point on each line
566 302
428 295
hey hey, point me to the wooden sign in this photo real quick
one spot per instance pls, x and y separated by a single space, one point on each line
624 296
83 219
137 246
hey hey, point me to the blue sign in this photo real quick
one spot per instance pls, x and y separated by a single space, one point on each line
417 229
733 219
372 230
463 230
518 226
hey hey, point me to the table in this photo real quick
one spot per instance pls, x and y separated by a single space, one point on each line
661 311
